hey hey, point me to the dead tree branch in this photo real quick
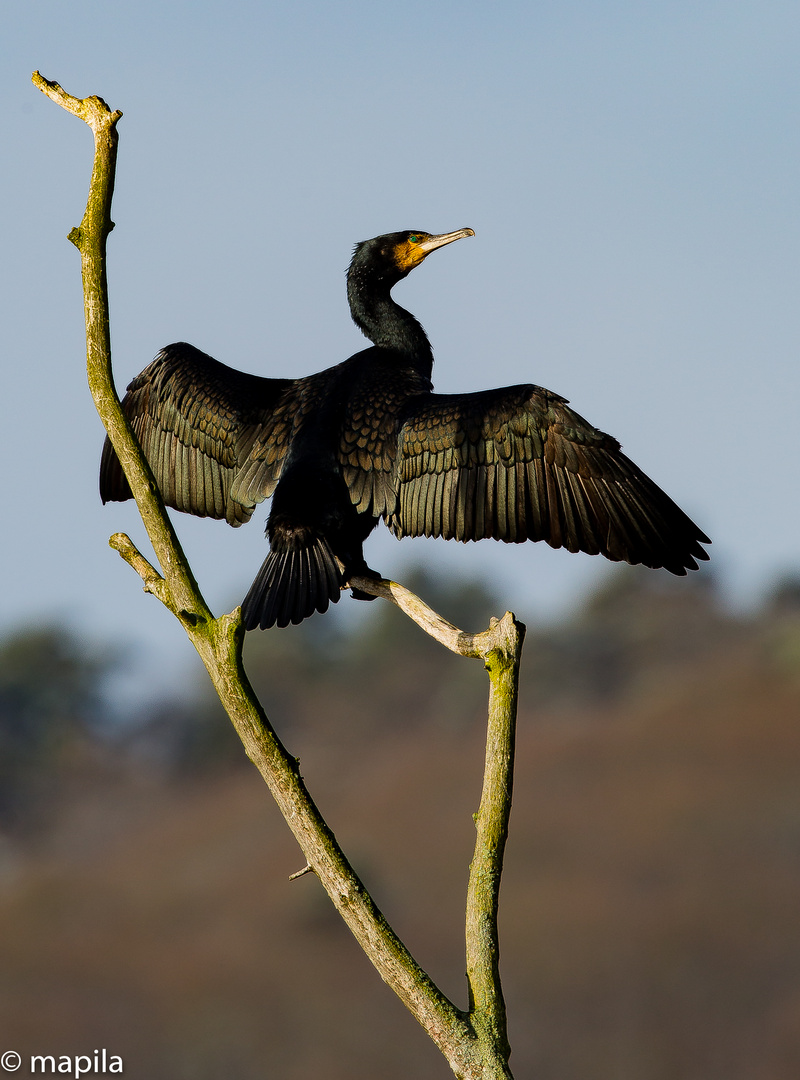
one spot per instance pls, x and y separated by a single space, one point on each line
473 1040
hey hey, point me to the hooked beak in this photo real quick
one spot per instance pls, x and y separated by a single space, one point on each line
434 242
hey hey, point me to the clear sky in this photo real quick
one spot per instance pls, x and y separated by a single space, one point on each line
632 174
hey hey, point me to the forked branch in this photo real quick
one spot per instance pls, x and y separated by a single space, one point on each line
474 1040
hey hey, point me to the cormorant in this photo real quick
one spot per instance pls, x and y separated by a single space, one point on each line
367 439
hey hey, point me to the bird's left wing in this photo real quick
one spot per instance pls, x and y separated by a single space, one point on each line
518 464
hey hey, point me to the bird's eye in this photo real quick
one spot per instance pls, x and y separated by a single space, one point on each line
413 239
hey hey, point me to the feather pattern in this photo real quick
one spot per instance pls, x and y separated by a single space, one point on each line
191 415
518 464
292 584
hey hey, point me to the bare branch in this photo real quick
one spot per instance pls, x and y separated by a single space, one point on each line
477 646
90 239
153 581
487 1006
92 110
473 1042
500 648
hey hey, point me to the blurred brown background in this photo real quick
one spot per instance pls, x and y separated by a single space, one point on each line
650 920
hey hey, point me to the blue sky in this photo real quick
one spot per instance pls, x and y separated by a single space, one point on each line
631 171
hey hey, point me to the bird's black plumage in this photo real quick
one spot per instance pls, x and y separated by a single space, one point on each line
368 439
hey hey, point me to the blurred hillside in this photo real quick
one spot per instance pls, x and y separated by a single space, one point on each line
650 920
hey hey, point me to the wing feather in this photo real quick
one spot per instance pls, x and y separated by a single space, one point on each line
518 464
199 422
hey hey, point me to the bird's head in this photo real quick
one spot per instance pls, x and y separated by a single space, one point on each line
396 254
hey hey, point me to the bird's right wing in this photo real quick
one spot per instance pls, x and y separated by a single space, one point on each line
518 464
197 421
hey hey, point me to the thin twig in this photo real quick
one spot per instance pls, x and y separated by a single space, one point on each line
301 873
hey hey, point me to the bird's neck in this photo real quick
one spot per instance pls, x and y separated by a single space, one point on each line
386 324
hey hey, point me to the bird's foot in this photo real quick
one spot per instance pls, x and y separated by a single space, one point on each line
359 594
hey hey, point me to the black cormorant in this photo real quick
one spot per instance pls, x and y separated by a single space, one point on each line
367 439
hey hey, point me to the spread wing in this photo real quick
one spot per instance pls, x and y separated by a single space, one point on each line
199 422
518 464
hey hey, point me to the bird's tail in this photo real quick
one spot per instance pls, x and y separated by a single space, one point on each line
294 581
